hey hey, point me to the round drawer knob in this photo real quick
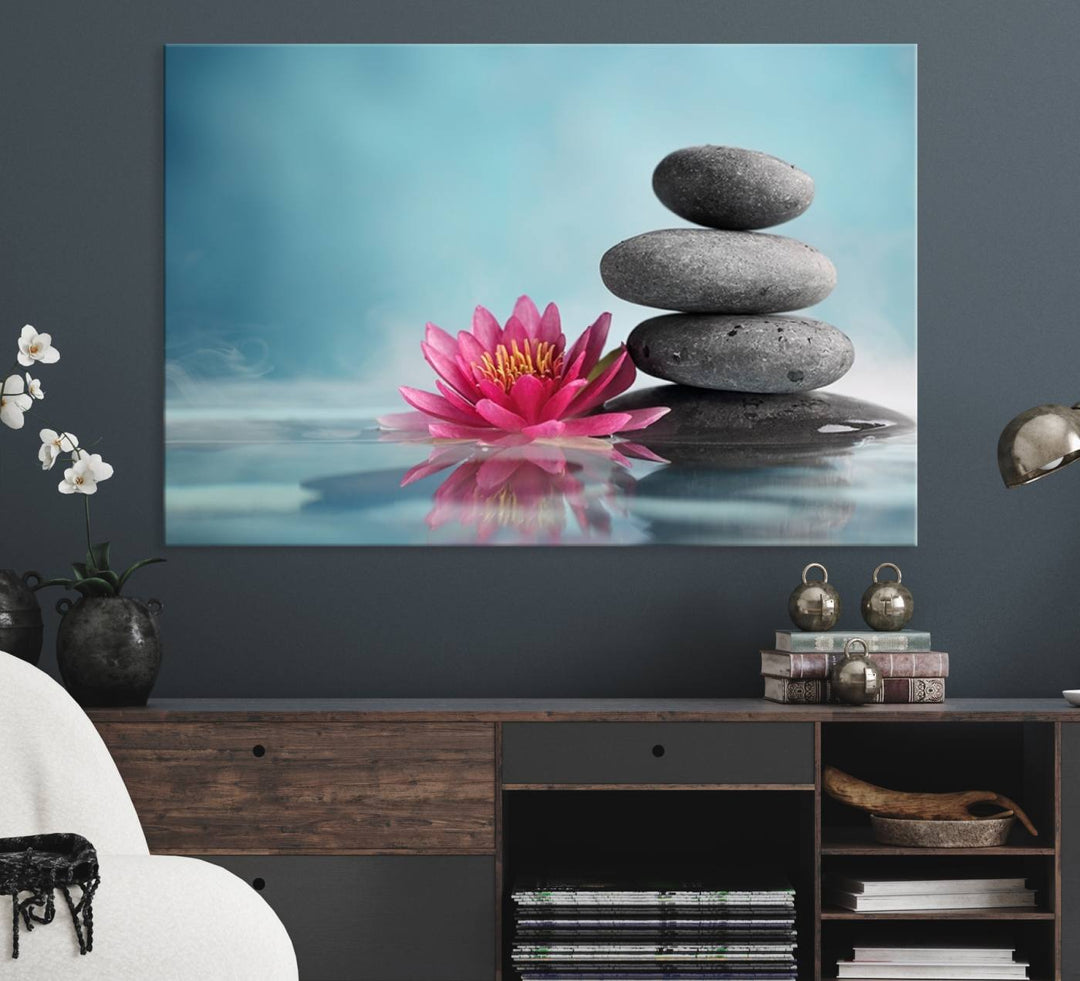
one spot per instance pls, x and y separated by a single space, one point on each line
258 750
658 751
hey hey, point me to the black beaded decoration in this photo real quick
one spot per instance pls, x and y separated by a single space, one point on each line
40 864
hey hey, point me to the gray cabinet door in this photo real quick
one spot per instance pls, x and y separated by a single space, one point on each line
1070 852
381 917
763 753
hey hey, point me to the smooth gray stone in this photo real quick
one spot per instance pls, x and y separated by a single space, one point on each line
741 353
699 416
701 270
727 187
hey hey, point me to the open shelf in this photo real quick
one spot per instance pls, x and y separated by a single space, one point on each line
1032 938
800 830
1012 758
740 834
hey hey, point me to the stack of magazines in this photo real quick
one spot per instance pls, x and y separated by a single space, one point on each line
879 895
939 963
579 931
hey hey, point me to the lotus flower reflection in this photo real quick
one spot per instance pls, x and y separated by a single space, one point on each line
521 380
530 492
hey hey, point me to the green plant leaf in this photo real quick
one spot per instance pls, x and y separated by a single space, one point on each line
79 568
132 569
604 363
110 577
66 583
94 587
97 559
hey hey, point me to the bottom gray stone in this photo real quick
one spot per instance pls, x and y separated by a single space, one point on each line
819 420
742 353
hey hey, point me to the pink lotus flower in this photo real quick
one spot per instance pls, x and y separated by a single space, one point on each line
520 379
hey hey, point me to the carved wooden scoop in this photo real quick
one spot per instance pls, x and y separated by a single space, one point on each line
900 804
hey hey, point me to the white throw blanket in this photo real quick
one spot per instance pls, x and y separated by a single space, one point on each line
156 918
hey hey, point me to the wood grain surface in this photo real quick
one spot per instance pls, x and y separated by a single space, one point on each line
213 787
376 777
582 710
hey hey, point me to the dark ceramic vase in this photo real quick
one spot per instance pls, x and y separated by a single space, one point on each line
109 649
21 628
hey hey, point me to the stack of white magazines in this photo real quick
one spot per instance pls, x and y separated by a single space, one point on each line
896 894
936 963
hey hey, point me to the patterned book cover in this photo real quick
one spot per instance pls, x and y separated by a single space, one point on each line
905 664
895 691
833 641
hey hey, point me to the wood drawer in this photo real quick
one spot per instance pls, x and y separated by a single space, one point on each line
689 753
381 918
230 788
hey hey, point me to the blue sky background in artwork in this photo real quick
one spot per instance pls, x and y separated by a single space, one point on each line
324 201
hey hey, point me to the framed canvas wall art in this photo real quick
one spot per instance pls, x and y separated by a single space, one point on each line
540 294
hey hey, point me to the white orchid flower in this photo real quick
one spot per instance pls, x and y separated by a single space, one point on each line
83 476
14 401
53 444
33 387
36 347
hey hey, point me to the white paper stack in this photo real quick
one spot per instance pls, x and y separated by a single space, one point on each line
902 894
933 964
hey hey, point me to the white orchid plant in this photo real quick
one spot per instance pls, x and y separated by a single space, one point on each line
21 393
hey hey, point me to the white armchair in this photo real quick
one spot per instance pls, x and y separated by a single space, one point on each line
156 918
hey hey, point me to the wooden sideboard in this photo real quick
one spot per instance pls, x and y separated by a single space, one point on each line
386 833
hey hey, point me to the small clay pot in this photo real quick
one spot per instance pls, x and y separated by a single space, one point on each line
21 629
109 649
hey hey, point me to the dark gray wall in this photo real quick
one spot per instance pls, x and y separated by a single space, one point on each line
996 573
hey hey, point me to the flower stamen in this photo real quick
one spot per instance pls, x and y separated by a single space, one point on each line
532 357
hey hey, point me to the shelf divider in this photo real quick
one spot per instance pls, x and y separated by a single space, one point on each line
860 841
1001 913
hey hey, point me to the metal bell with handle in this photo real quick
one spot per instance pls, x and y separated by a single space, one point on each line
887 605
855 679
814 605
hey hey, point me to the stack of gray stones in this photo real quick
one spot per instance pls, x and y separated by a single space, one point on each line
728 281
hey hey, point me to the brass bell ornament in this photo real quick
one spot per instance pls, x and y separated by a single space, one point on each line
855 679
887 605
814 605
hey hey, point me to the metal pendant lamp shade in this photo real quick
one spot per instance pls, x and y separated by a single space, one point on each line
1037 442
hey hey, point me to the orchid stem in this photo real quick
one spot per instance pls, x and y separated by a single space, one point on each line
89 547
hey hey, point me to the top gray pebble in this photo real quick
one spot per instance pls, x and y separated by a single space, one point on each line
726 187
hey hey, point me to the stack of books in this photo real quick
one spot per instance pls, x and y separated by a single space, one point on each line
941 963
796 671
899 893
579 931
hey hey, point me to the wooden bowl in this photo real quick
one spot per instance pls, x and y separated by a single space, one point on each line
916 833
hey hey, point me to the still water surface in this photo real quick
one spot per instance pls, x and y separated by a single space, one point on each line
279 483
